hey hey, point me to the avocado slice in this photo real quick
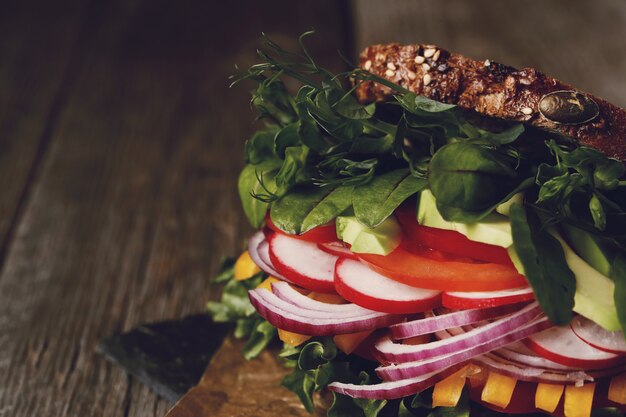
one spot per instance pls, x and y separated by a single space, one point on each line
495 229
591 248
380 240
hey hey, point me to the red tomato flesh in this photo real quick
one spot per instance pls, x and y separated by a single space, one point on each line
448 240
422 268
322 234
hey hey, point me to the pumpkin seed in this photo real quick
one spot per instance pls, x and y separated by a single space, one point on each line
568 107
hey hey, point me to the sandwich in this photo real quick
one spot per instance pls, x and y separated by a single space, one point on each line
435 236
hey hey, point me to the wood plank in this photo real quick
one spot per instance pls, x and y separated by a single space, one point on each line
578 41
40 48
136 200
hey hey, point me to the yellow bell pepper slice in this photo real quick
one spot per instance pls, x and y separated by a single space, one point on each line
347 343
448 391
547 396
578 400
245 267
267 283
498 390
617 389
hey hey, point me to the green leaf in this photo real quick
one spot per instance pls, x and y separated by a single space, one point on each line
249 186
619 277
260 146
307 207
417 104
544 263
273 101
470 177
606 412
286 137
453 214
505 137
597 212
226 271
303 384
262 334
376 200
291 168
350 108
316 353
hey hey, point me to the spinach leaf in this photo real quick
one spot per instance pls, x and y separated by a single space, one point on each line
544 263
454 214
505 137
254 181
286 137
306 207
260 146
619 277
291 169
302 383
376 200
470 177
262 334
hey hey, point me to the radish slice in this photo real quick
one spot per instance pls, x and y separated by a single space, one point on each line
445 321
598 337
560 344
532 374
420 367
292 318
483 299
394 352
285 292
303 262
519 353
338 249
392 389
356 282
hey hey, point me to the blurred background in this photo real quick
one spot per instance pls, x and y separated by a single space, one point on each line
120 145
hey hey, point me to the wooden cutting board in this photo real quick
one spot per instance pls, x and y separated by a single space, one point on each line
234 387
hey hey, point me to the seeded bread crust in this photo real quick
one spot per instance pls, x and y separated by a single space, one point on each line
488 88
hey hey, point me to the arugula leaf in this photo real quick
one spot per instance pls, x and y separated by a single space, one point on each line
544 263
375 201
250 188
307 207
619 277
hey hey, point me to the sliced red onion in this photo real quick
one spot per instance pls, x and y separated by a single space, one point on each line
394 352
598 337
531 374
286 316
419 367
259 252
392 389
285 292
447 320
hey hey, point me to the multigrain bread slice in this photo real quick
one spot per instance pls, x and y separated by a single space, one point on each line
496 90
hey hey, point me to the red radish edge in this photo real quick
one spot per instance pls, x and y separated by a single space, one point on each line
561 345
303 263
338 249
357 283
484 299
591 333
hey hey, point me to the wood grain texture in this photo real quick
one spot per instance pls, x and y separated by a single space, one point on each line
579 42
135 200
40 50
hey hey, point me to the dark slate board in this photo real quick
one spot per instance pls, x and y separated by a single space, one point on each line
170 356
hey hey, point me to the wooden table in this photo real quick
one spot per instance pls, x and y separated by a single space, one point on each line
120 144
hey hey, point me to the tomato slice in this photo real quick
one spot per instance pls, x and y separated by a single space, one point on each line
448 240
322 234
430 269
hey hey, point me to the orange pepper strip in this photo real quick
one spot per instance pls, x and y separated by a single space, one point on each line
478 379
448 391
578 400
245 267
547 396
617 389
498 390
347 343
